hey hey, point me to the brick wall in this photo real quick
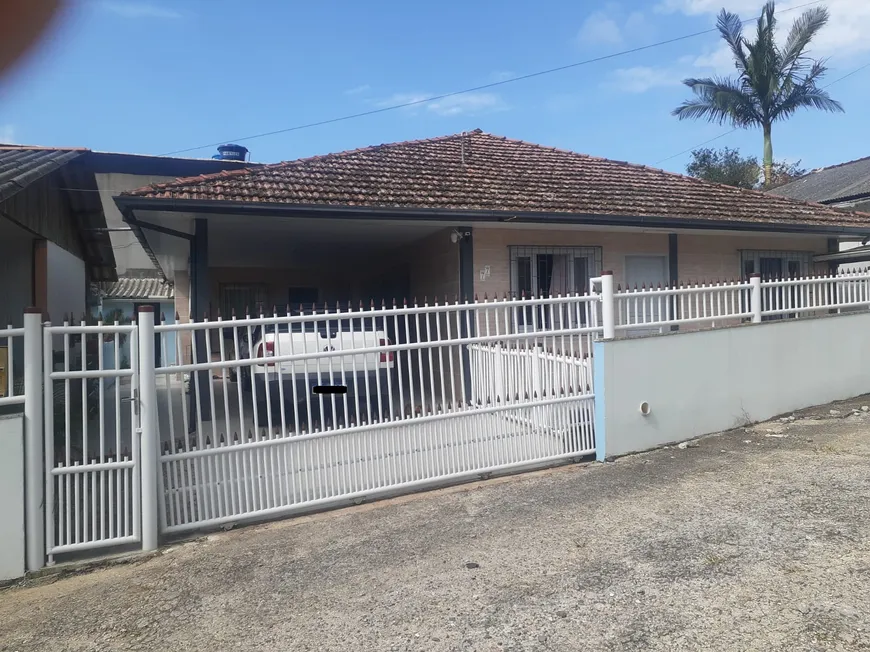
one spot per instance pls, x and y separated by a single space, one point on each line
701 257
434 267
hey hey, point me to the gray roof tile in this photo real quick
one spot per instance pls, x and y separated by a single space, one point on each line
139 288
838 182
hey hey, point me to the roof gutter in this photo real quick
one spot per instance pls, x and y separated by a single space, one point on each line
852 199
856 255
129 203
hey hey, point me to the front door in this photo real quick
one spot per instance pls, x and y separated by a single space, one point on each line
651 272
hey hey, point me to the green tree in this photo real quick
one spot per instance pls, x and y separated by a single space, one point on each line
727 166
784 173
772 81
724 166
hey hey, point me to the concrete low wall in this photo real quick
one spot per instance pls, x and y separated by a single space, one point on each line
12 493
708 381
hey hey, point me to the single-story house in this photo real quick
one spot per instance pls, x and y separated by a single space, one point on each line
471 214
845 186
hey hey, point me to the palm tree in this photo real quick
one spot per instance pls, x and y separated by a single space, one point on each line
772 82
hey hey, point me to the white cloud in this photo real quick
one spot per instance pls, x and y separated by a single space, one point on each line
565 102
718 61
501 75
7 135
139 10
844 35
358 90
465 104
640 79
611 26
599 29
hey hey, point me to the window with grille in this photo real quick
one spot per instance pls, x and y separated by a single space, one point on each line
551 272
775 265
244 299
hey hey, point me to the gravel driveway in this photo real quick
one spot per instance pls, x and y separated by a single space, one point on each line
752 540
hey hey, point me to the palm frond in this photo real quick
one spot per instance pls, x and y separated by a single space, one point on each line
731 29
718 100
802 31
807 97
772 82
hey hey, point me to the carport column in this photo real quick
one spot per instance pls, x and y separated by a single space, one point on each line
200 291
466 293
833 247
148 442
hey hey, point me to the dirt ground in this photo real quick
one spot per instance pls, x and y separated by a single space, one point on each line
756 539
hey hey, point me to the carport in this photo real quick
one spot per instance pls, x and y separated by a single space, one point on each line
257 260
264 258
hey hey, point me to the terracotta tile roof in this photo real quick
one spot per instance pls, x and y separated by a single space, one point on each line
139 288
482 172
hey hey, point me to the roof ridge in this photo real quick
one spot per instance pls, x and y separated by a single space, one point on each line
836 165
41 148
298 161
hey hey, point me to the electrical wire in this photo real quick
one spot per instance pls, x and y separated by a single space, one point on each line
435 98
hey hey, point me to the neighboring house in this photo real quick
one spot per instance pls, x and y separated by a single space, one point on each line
845 186
459 216
117 173
53 239
120 301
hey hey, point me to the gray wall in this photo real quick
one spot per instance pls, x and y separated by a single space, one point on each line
708 381
67 284
16 273
12 491
129 254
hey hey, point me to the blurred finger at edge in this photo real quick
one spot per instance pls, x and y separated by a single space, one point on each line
22 23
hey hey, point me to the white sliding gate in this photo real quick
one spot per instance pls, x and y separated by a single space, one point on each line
92 479
410 418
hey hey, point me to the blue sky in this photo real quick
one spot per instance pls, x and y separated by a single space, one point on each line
153 76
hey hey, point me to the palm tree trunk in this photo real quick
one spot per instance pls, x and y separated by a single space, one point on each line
768 157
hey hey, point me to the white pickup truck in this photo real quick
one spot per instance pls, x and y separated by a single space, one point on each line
364 375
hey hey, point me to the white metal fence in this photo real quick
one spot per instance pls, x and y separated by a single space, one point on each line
222 421
257 429
92 483
11 366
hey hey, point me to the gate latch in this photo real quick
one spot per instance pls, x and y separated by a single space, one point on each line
134 399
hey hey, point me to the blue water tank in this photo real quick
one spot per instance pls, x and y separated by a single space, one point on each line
232 152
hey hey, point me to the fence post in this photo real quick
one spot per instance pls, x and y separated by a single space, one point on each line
148 442
755 297
608 314
34 478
